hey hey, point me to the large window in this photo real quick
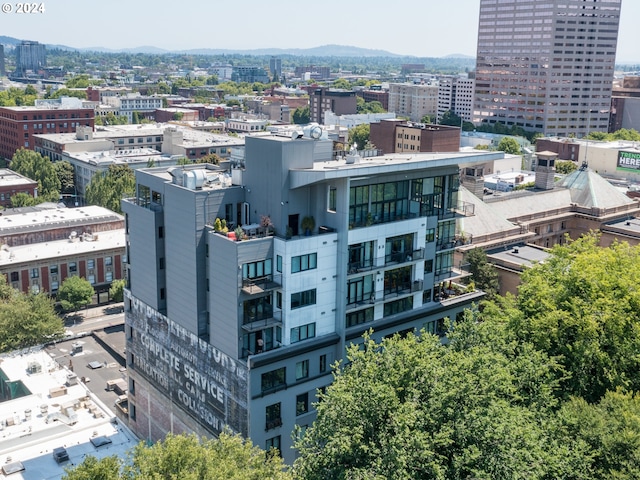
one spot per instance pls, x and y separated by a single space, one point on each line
398 306
273 416
302 403
384 202
257 269
361 256
302 263
332 200
274 379
361 316
302 369
444 262
397 281
360 290
398 249
303 332
272 445
257 309
303 299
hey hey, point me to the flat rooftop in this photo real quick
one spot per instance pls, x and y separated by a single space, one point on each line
57 410
15 220
79 245
518 255
10 178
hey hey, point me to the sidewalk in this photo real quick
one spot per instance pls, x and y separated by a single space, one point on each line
94 312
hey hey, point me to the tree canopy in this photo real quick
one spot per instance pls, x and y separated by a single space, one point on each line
359 135
509 145
109 188
301 115
186 457
116 290
36 167
535 387
26 319
75 292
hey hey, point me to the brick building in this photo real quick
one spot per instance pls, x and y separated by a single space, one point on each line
19 124
400 136
12 183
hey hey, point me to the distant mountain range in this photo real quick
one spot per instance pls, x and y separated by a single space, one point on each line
321 51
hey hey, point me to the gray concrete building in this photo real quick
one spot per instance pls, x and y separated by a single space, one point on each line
240 328
546 67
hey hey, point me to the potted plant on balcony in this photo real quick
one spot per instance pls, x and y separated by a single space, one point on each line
308 224
266 223
369 219
239 233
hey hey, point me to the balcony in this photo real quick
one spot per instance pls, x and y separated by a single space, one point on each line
256 322
404 288
396 258
457 240
256 286
360 267
461 209
388 218
273 423
451 291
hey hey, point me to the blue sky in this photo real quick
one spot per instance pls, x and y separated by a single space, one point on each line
433 28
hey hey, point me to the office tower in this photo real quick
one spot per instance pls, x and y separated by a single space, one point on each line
30 56
243 333
546 67
275 68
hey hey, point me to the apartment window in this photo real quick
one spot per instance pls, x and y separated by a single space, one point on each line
332 201
160 232
428 266
303 299
108 276
35 273
73 268
272 445
302 369
279 263
303 332
431 235
273 379
91 279
107 260
279 300
53 270
91 264
323 363
302 404
302 263
257 269
54 286
15 276
161 263
273 416
361 316
162 294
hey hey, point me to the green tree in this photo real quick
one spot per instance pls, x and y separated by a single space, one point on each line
341 83
66 176
22 199
509 145
566 167
425 119
109 188
75 292
26 319
107 468
186 457
116 290
414 408
368 107
450 118
582 306
301 115
359 135
33 165
483 274
136 118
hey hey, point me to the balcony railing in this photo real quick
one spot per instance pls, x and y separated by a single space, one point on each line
358 267
253 323
388 218
404 257
253 286
457 240
274 423
461 209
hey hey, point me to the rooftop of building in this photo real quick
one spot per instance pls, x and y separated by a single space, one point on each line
132 156
612 145
519 255
56 410
628 226
14 220
79 244
9 178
